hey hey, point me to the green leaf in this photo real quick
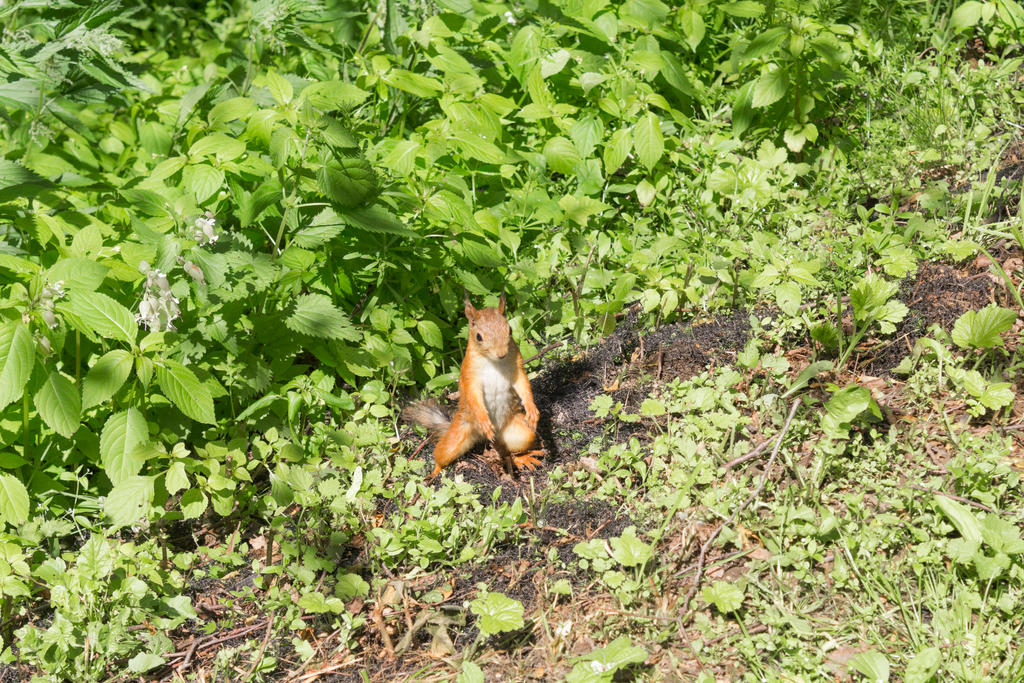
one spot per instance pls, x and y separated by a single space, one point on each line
176 477
231 110
222 146
202 180
961 517
129 501
981 329
193 504
77 273
59 404
605 661
476 147
628 550
724 595
966 15
376 218
648 141
18 181
617 149
745 9
17 356
923 666
334 95
873 665
105 377
184 389
770 88
122 435
13 500
414 83
431 333
497 613
144 661
102 315
692 24
470 673
317 316
324 227
561 155
348 181
765 43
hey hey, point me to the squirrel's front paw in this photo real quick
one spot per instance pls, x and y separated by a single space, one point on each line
488 431
532 415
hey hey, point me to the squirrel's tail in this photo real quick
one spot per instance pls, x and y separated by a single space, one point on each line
427 414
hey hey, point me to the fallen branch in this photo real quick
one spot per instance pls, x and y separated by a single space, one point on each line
699 575
749 456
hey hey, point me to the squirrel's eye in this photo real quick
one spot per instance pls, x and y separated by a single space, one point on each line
479 337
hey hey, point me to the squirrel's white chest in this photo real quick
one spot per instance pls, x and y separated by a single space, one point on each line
496 382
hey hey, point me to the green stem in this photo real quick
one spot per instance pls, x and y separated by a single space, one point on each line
78 359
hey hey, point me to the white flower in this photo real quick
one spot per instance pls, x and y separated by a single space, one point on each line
193 271
510 18
204 231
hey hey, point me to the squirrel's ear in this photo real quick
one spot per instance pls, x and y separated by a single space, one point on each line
501 302
470 311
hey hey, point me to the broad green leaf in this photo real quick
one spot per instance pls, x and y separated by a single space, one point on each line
77 273
601 664
202 180
692 24
923 666
1001 535
981 329
648 141
470 673
334 95
431 333
280 88
726 596
765 43
324 227
628 550
59 404
770 88
105 377
376 218
20 94
16 180
222 146
414 83
746 9
961 517
966 15
477 147
176 477
348 181
122 435
402 157
17 356
129 501
193 504
561 155
317 316
184 389
873 665
13 500
102 315
497 613
231 110
617 149
144 661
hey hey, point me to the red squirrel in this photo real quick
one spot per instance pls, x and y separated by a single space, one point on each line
495 401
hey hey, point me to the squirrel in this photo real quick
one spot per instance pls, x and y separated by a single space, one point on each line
495 400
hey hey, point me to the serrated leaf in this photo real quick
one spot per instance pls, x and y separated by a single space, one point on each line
13 500
334 95
497 613
316 316
617 149
202 180
102 315
628 550
59 404
981 329
724 595
122 435
183 388
105 377
193 504
129 501
77 273
648 141
17 356
348 181
414 83
376 218
15 179
431 333
324 227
